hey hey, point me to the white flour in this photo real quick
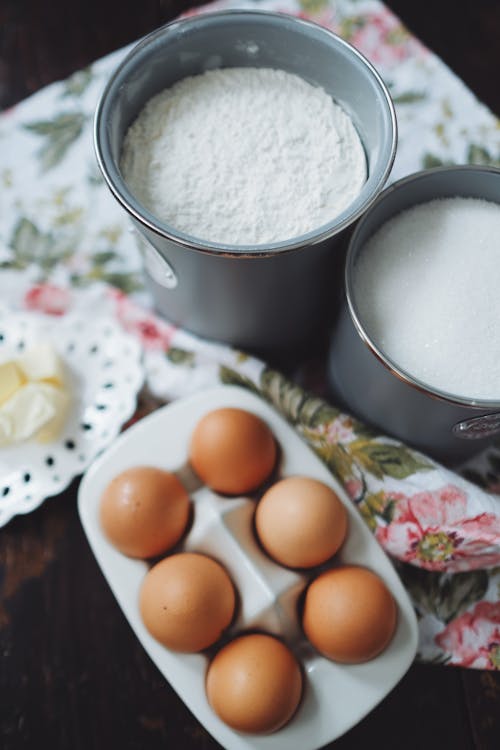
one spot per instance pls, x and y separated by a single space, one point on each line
244 156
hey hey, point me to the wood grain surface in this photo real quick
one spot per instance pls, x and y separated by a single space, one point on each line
72 675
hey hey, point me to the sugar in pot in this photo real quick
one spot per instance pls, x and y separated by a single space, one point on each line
414 351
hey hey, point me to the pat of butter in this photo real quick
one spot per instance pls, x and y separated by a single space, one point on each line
41 362
60 401
27 411
34 401
5 430
11 379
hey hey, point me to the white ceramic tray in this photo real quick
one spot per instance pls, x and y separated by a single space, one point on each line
336 696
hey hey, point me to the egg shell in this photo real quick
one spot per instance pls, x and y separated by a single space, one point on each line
349 614
301 522
232 450
186 601
144 511
254 684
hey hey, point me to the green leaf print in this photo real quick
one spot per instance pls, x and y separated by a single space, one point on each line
315 412
385 460
30 245
76 84
58 135
376 505
313 6
103 257
228 376
296 405
310 414
241 356
94 176
350 25
397 36
409 97
373 505
181 357
443 595
338 461
7 178
127 281
27 241
430 161
286 396
480 155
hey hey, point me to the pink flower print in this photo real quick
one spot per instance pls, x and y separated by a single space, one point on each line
47 298
473 639
354 488
152 332
382 38
431 530
324 17
340 430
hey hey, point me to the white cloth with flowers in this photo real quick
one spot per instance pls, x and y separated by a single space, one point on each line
65 245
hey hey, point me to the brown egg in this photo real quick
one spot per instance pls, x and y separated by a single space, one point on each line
349 614
186 601
254 684
144 511
232 451
300 522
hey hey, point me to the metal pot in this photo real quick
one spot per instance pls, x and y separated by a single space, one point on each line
377 389
268 296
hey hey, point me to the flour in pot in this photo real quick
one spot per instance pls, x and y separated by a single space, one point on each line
244 156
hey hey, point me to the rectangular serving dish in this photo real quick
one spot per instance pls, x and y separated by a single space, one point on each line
336 696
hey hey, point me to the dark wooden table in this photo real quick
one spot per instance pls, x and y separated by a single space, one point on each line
72 675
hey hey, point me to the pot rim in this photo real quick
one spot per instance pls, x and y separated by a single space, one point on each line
148 221
354 248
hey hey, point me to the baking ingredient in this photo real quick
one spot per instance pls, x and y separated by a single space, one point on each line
244 156
42 362
254 684
11 379
426 290
187 601
232 450
60 402
144 511
300 522
34 396
349 614
31 409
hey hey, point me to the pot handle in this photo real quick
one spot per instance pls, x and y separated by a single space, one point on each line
477 427
159 268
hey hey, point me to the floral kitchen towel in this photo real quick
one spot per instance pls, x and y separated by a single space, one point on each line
66 245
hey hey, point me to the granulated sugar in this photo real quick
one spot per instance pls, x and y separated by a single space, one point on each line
427 290
244 156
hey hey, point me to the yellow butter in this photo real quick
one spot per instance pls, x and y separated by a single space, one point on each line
42 363
11 379
5 430
60 401
34 399
28 410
